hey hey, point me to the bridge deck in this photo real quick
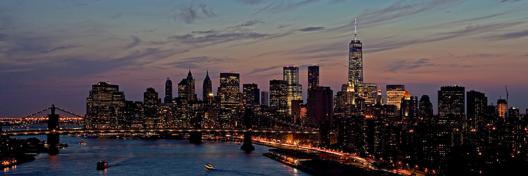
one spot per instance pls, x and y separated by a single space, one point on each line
165 130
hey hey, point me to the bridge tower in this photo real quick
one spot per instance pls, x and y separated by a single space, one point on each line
53 138
196 137
247 146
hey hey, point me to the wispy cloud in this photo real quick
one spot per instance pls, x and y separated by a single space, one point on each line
400 9
191 13
195 62
511 35
135 41
409 65
312 29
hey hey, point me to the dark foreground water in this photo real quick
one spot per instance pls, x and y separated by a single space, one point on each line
152 157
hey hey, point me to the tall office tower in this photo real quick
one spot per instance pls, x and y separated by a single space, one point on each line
355 59
320 110
230 99
279 95
368 92
425 107
477 103
451 102
151 104
450 124
395 93
264 98
409 107
207 94
104 106
251 94
291 76
502 108
168 91
313 77
186 89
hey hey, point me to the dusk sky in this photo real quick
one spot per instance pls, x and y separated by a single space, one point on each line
52 51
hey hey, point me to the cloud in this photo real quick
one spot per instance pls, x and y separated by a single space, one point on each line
409 65
263 70
251 23
252 2
502 1
511 35
311 29
191 13
399 10
215 37
280 5
469 30
195 62
135 42
60 48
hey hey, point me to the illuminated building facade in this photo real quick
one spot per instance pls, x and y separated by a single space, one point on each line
502 109
104 106
251 94
186 90
291 76
151 103
477 103
355 60
395 93
230 99
368 92
279 95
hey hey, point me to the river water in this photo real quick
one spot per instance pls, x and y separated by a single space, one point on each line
152 157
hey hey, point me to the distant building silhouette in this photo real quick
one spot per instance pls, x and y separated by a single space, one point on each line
168 91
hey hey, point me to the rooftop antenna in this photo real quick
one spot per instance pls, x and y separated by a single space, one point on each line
355 29
507 94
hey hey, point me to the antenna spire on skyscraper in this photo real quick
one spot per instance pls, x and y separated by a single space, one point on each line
355 28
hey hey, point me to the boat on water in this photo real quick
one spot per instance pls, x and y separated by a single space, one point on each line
83 142
209 167
102 165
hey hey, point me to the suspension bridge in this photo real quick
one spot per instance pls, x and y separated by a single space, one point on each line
53 130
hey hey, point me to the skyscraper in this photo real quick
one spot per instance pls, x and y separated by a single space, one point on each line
313 77
279 95
502 108
251 94
186 90
451 102
207 90
168 91
450 124
230 99
151 104
104 106
409 107
425 107
264 98
291 76
320 110
395 93
477 103
355 59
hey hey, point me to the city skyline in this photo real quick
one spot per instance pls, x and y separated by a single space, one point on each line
44 67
